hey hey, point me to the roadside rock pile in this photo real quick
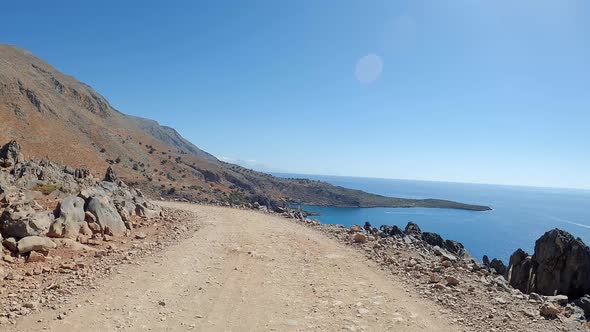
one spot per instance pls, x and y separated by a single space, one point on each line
475 295
45 206
50 282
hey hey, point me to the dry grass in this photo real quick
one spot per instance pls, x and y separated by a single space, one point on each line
46 188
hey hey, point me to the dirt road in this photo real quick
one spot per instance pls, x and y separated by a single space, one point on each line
246 271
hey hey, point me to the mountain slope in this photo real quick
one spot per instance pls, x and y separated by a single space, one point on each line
54 116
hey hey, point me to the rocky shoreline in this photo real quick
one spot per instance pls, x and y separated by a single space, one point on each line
480 297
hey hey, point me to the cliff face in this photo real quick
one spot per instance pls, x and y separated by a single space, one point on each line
54 116
559 265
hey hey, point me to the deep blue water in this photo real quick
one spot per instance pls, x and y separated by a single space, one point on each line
520 216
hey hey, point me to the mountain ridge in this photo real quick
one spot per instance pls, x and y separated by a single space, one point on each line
55 116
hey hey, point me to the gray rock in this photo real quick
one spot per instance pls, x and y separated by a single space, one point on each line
433 239
70 220
72 245
110 175
413 229
559 299
106 215
562 265
456 248
584 304
3 274
536 297
498 266
391 230
10 244
445 254
22 221
520 272
10 154
36 243
143 211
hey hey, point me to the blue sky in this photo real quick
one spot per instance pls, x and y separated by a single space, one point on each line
469 91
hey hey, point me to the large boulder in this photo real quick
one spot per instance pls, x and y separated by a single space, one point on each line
520 271
10 154
559 265
455 247
148 212
70 219
110 175
498 266
391 230
34 243
22 220
433 239
106 215
562 265
413 229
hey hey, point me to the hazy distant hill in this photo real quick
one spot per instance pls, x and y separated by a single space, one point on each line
54 115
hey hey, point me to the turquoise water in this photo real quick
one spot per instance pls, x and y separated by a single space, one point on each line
520 214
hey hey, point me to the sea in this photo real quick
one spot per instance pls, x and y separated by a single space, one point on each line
519 217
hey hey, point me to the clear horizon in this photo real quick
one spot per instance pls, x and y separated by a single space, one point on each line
436 181
469 91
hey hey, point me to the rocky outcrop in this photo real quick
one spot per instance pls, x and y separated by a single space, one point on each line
70 218
10 154
21 220
413 229
559 265
107 217
562 265
86 207
110 175
520 271
391 230
498 266
455 247
433 239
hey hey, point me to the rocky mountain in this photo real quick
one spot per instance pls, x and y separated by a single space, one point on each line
54 116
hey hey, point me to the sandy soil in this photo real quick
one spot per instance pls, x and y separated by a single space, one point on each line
246 271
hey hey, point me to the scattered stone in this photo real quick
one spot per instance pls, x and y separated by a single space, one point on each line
8 259
559 299
106 215
549 310
452 281
10 244
498 266
140 235
35 257
36 243
359 238
355 229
